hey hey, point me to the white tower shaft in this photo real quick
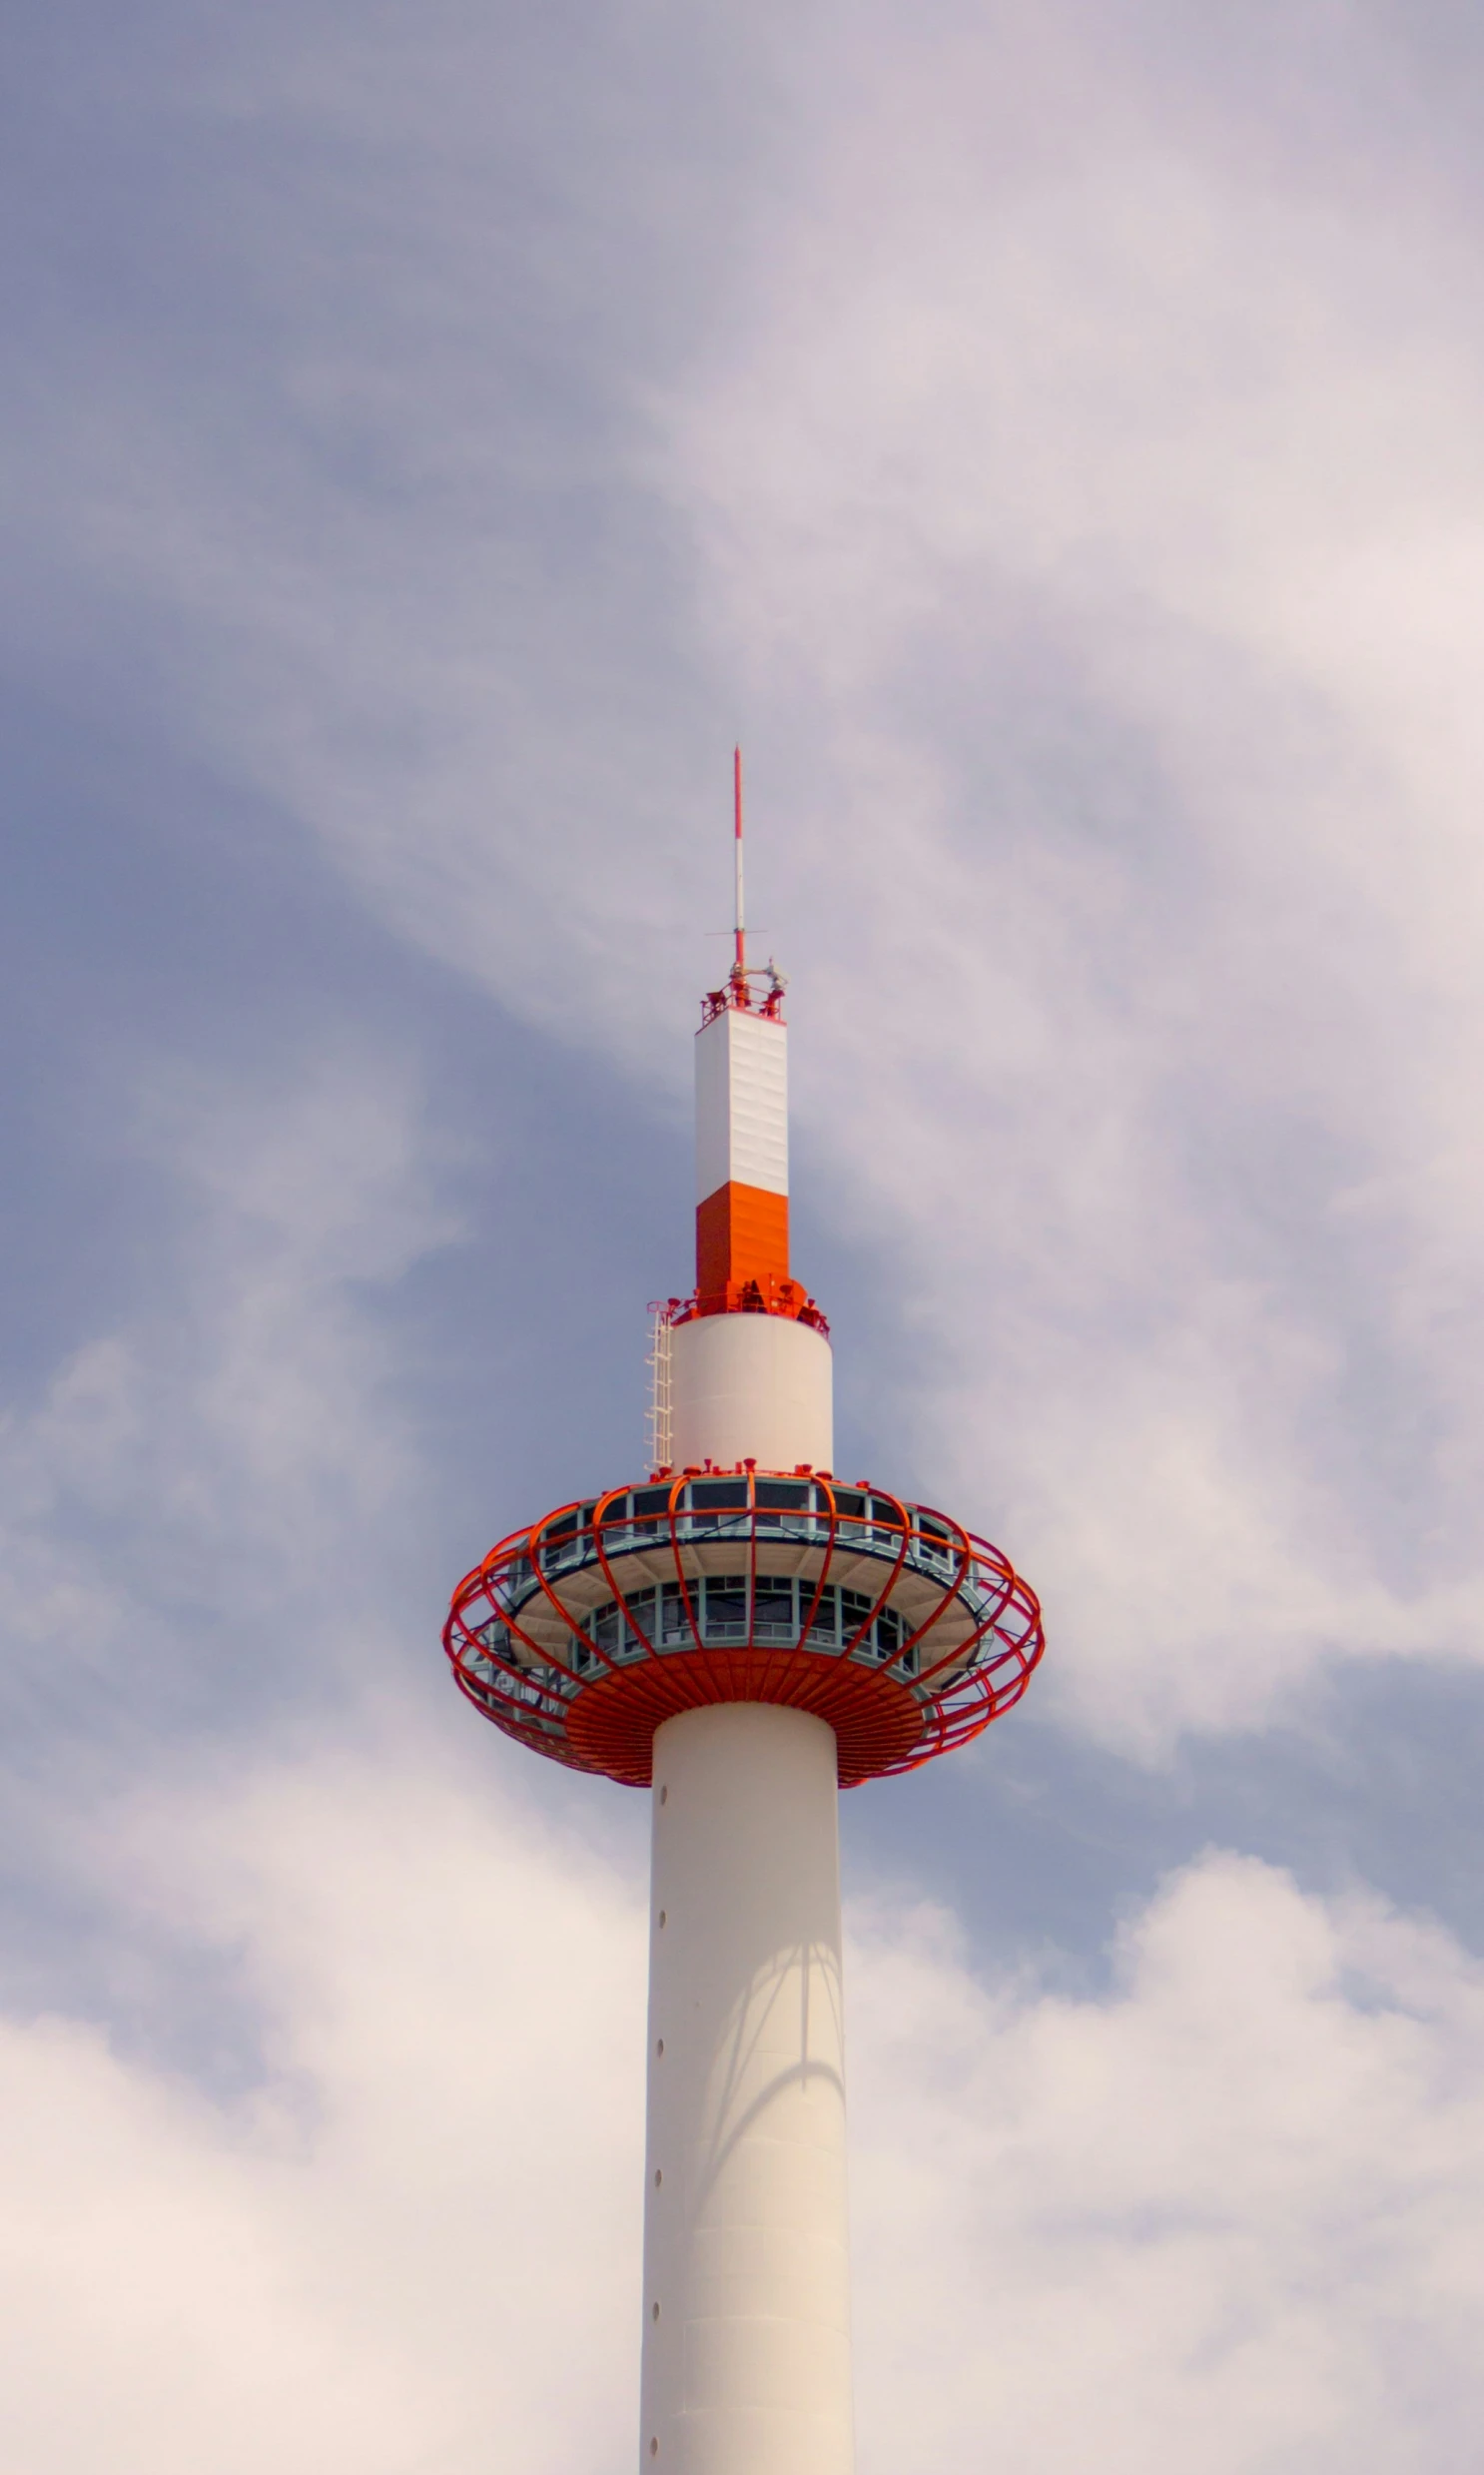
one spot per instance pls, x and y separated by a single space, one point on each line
746 2277
751 1387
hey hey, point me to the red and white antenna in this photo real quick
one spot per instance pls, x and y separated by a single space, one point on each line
739 963
737 989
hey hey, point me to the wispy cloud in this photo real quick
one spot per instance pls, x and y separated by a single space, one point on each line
1051 442
1078 485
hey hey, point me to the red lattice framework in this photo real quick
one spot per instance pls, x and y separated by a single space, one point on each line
963 1631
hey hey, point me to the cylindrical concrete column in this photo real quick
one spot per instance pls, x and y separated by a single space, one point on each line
746 2290
752 1386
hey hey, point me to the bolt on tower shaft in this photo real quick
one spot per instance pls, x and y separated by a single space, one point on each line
744 1635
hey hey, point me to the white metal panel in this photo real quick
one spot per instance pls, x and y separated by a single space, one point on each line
751 1387
747 2358
759 1102
741 1104
713 1106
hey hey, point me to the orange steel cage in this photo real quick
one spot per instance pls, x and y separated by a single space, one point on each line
582 1634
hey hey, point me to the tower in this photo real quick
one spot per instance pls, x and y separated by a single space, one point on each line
744 1635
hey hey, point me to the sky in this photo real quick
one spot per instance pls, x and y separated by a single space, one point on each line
1052 442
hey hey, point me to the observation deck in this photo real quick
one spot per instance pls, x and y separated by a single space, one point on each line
582 1634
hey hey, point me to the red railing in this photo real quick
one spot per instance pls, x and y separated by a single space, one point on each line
525 1656
783 1298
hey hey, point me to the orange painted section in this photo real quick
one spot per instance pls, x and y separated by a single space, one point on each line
741 1241
878 1725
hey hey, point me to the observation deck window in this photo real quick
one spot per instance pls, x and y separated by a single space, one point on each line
773 1616
728 1507
726 1608
731 1507
775 1608
641 1605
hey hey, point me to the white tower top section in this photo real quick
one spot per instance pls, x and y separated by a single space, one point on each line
752 1387
741 1104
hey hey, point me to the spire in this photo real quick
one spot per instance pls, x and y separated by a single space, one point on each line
738 990
739 963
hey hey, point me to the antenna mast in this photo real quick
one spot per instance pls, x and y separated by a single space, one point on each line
739 964
737 989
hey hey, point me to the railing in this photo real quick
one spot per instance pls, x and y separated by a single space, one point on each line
962 1653
749 992
771 1296
740 1505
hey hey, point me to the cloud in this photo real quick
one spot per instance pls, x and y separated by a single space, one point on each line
1216 2220
1092 478
1052 442
405 2243
1066 467
188 1502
